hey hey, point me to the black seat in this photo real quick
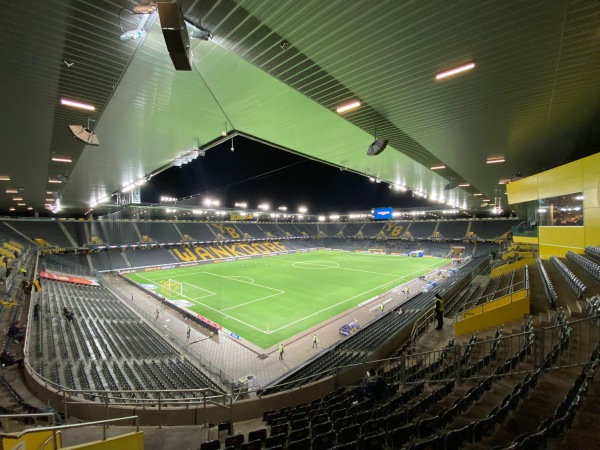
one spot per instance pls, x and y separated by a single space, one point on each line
225 426
252 445
348 446
454 439
260 435
211 445
275 440
401 435
372 426
349 434
300 444
300 423
395 420
342 422
374 441
234 441
279 429
324 441
321 428
300 434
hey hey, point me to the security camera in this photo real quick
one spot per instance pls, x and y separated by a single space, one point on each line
284 45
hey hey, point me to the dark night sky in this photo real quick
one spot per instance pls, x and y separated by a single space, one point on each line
256 173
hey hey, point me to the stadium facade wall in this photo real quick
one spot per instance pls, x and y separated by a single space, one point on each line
579 176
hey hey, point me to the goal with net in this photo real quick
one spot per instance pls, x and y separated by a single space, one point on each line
169 288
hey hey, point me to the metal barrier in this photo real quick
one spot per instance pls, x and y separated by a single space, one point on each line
56 430
512 290
5 417
162 399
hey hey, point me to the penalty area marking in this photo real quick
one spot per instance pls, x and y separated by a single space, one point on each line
315 265
238 278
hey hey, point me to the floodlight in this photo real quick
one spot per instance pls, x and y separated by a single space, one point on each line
377 147
84 135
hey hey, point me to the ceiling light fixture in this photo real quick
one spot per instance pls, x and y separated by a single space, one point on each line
144 9
438 167
21 204
478 194
495 160
53 181
64 159
464 185
18 199
455 70
4 178
348 106
84 134
79 105
12 191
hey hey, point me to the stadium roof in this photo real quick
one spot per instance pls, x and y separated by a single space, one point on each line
533 92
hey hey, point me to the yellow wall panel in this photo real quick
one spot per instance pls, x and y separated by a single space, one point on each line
525 240
506 313
31 441
591 171
522 190
558 240
131 441
592 235
591 217
591 197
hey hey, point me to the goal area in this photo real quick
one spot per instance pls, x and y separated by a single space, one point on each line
170 288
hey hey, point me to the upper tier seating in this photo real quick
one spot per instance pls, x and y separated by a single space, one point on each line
159 232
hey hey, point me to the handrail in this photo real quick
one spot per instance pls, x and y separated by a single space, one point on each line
473 303
221 400
4 417
421 321
57 429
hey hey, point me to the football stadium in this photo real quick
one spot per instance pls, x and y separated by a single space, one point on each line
300 225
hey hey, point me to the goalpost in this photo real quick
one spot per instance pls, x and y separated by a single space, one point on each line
169 288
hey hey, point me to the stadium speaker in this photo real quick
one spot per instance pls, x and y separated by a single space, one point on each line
377 147
175 34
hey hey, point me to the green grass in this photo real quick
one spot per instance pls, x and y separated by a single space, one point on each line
287 293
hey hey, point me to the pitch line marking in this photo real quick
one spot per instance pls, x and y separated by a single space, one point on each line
215 310
351 298
237 278
245 282
253 301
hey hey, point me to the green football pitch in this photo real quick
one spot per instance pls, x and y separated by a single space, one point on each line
268 300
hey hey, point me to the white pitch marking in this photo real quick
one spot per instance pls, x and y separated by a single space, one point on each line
351 298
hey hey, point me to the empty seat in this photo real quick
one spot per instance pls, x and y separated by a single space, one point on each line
234 441
324 441
260 435
211 445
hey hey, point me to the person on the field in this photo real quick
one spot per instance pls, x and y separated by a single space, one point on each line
314 340
281 351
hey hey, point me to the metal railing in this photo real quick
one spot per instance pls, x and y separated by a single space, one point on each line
4 419
56 430
198 398
512 290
